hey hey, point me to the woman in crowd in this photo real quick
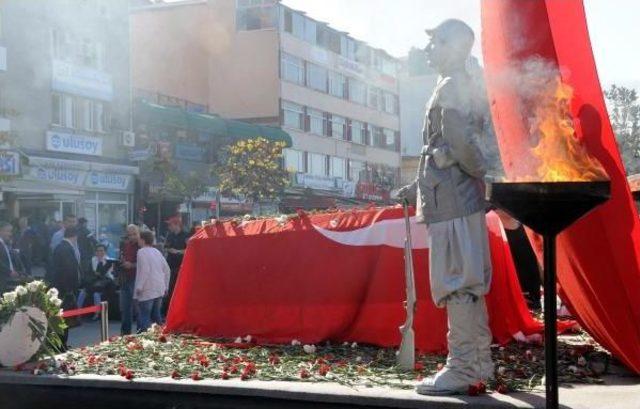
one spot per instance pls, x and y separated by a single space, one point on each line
152 282
97 279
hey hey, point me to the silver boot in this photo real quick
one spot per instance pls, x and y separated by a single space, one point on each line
484 363
460 369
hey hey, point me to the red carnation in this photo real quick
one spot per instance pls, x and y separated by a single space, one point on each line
482 388
233 369
324 369
224 375
162 339
419 366
473 390
129 375
122 370
502 388
304 374
204 361
274 359
196 376
250 368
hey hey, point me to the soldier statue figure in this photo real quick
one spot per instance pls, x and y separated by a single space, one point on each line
449 194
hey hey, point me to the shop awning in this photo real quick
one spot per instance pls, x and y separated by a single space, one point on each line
157 115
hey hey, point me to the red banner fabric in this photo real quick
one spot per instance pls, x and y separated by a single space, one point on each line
598 257
336 276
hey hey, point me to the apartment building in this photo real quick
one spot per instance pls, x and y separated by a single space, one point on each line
65 103
263 62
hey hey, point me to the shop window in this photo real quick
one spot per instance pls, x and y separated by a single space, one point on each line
293 115
316 77
337 84
317 122
338 126
292 69
389 139
357 170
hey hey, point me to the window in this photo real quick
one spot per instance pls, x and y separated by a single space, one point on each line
310 32
389 67
68 111
81 51
90 53
56 109
257 16
338 125
292 69
316 77
389 139
293 160
87 115
357 170
338 167
358 132
390 103
357 91
377 136
337 84
297 25
100 116
293 115
316 122
374 97
317 164
328 38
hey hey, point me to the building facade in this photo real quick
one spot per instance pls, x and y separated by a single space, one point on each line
265 63
65 98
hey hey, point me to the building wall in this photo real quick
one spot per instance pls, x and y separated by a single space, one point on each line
415 92
27 84
170 51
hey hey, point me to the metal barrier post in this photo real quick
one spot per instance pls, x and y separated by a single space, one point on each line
104 320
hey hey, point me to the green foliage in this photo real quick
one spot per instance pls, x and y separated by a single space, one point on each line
624 112
253 170
176 184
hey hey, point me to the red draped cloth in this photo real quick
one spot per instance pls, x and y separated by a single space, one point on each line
337 276
598 257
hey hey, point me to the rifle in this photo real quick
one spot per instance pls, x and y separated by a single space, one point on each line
406 354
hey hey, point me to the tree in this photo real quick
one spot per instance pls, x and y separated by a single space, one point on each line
253 169
624 112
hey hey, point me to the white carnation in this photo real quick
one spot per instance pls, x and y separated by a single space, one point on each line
295 342
282 219
248 338
354 345
168 359
53 292
146 343
21 290
309 349
9 297
34 286
56 301
238 341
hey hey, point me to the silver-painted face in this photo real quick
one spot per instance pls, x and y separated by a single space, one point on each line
436 52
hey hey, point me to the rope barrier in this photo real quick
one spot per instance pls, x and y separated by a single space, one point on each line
81 311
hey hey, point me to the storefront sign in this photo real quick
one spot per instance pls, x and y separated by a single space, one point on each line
139 155
82 165
108 181
189 152
83 81
315 181
56 175
370 191
72 143
9 163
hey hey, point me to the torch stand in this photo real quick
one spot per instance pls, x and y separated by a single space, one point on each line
550 326
548 209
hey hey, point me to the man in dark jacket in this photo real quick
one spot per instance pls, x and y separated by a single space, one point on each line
9 265
66 271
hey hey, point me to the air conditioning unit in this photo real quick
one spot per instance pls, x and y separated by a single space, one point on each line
128 139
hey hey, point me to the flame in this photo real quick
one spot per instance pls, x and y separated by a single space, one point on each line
560 154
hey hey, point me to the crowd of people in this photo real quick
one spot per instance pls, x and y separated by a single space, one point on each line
140 281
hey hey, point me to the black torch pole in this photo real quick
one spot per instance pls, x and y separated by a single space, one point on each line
550 318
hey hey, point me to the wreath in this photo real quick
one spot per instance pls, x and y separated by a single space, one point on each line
36 294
